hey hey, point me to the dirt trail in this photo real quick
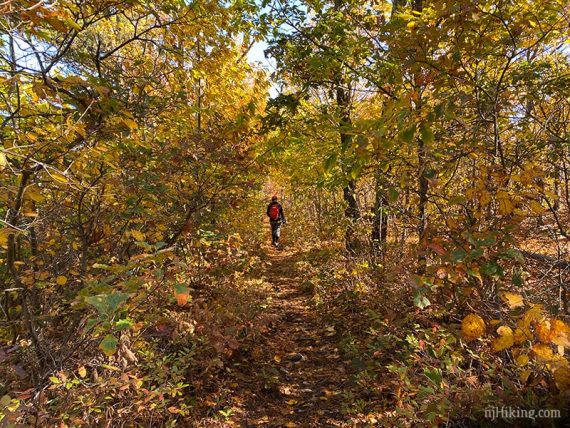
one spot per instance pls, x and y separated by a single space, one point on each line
297 378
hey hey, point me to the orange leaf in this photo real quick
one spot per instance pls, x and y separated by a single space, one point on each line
182 294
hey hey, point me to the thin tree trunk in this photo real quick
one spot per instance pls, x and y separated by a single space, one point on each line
352 212
422 180
380 219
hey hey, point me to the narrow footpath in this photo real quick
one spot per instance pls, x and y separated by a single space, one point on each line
296 377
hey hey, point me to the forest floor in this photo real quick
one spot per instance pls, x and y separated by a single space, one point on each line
294 376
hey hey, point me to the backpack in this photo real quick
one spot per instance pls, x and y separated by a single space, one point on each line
274 212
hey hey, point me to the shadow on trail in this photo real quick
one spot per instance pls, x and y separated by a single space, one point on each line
296 378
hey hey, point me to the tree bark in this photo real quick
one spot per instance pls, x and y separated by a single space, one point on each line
352 212
380 219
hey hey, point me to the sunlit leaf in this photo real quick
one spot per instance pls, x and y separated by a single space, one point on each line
512 300
472 327
505 339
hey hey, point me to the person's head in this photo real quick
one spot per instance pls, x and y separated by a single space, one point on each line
274 198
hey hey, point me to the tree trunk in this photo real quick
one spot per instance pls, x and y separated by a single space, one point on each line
422 180
352 212
380 219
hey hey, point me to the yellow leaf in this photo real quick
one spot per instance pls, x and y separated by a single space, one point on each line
31 137
60 178
554 331
82 371
139 236
524 375
290 425
291 402
536 207
505 205
485 198
34 194
543 352
472 327
505 341
72 24
3 161
504 330
522 359
512 300
411 24
61 280
130 123
562 378
521 336
533 315
543 331
560 333
277 359
4 233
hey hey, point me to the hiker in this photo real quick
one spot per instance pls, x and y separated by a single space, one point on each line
276 219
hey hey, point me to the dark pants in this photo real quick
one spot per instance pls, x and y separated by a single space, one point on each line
275 231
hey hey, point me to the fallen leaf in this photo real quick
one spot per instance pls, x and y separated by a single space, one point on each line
522 359
505 339
512 300
82 371
562 378
543 352
472 327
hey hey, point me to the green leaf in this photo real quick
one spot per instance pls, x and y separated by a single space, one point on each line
392 195
435 375
513 254
355 171
518 279
408 134
109 345
458 254
489 269
72 24
6 400
330 162
123 324
426 134
420 300
107 304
